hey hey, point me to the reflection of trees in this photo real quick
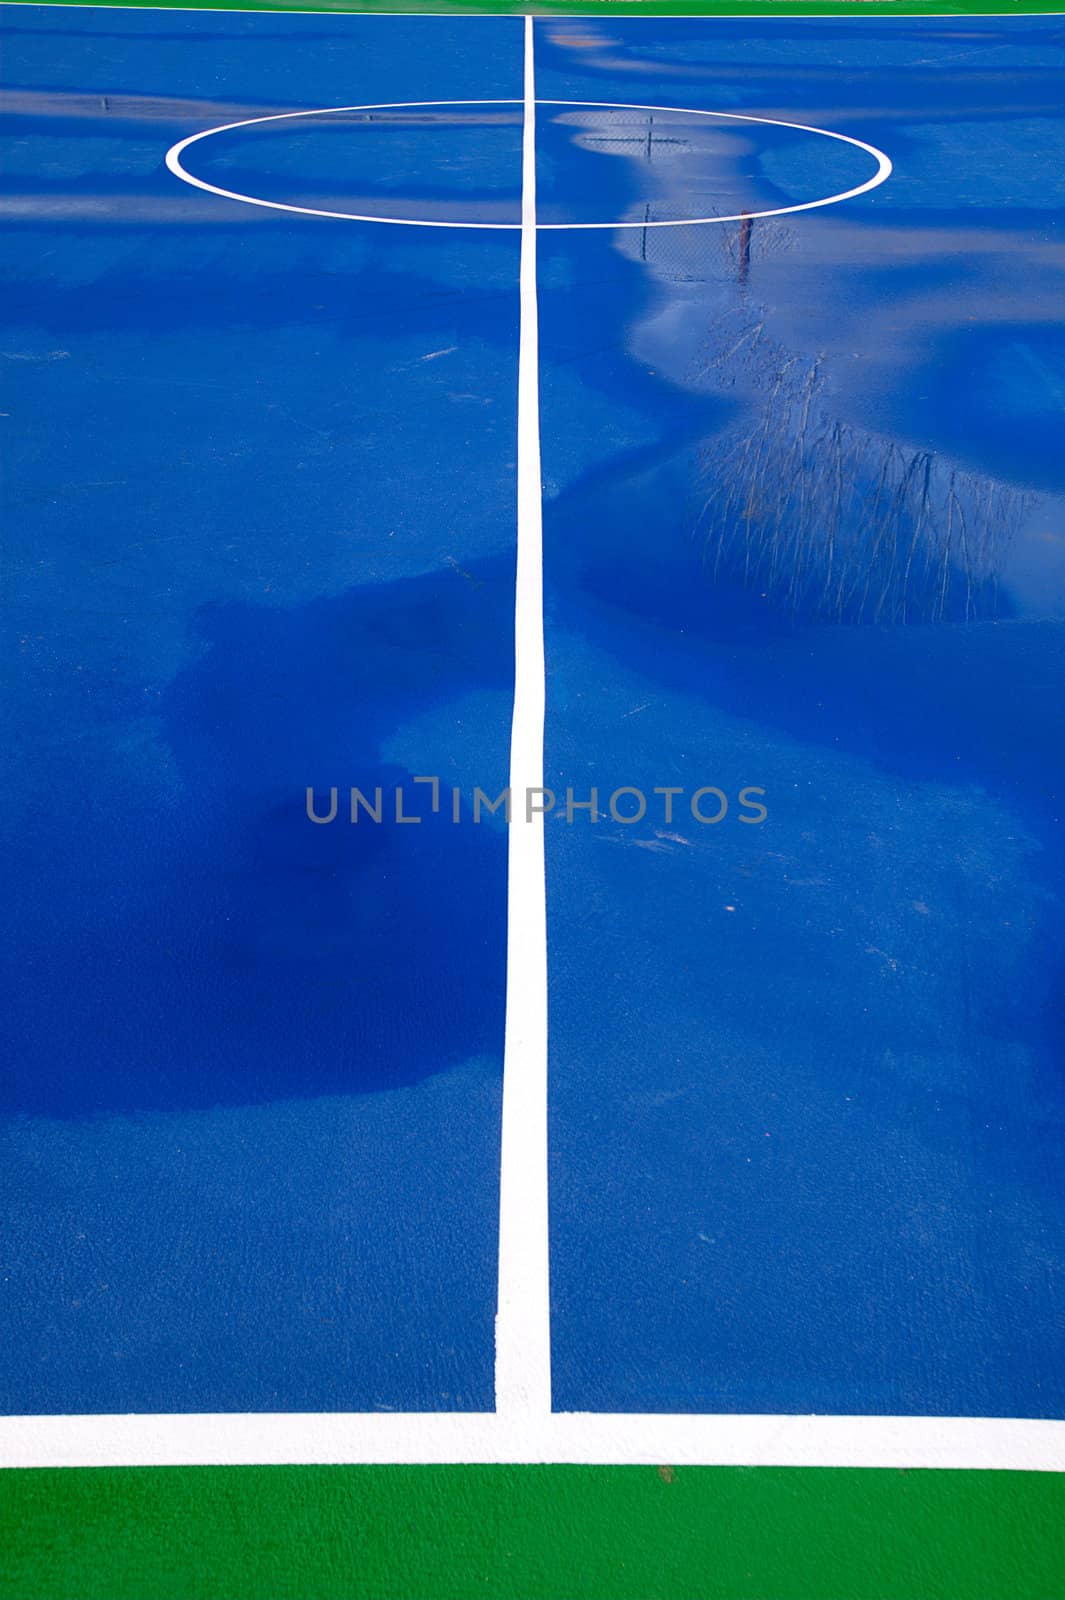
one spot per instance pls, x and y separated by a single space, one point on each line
822 518
828 520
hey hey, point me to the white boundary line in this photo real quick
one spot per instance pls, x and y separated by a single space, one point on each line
523 1430
523 1324
587 1438
176 165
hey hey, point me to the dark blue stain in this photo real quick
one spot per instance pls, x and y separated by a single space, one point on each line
353 294
273 957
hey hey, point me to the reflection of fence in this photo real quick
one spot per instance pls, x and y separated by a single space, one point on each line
705 253
638 135
832 522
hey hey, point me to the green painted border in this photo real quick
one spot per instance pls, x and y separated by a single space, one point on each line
531 1533
619 8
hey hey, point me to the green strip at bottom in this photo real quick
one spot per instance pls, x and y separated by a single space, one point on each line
514 1533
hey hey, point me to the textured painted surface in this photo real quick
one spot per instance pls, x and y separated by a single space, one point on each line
829 1185
805 531
526 1533
251 1122
442 1532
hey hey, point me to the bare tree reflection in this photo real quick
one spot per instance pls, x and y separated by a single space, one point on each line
819 517
831 521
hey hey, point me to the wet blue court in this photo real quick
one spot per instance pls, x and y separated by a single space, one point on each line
804 536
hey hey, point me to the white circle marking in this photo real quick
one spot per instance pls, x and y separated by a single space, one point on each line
175 165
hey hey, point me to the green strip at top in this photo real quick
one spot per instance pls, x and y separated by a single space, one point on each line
624 8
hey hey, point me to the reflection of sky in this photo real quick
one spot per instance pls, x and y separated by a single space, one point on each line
682 165
1015 162
808 55
250 543
930 308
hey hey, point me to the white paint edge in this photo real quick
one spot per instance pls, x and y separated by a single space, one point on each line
176 165
523 1322
582 1438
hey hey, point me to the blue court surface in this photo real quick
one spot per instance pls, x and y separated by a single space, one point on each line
803 537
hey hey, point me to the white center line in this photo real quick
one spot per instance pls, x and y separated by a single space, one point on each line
523 1328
